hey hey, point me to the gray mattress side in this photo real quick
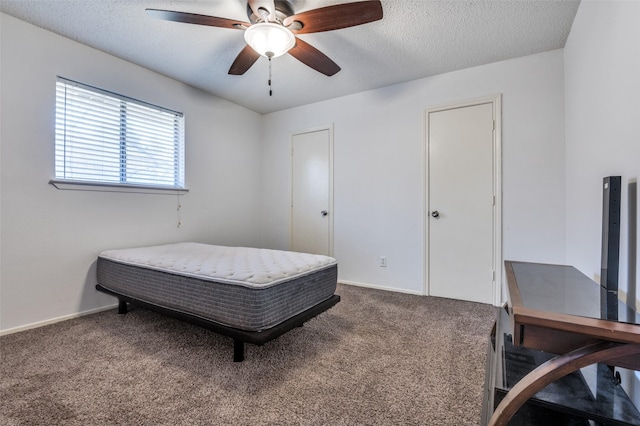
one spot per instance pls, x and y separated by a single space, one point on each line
245 308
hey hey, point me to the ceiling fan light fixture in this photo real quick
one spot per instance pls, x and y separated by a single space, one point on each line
269 39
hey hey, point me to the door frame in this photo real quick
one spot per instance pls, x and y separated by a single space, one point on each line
331 215
496 101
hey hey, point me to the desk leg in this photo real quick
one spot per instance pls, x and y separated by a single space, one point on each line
555 369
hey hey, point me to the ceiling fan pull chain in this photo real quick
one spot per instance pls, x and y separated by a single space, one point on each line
269 56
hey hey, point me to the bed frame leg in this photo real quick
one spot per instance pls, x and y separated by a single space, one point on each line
122 307
238 351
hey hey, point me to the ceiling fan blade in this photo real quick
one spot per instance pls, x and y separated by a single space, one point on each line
314 58
245 59
337 16
268 5
194 18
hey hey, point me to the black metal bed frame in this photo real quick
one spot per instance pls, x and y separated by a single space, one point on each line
240 337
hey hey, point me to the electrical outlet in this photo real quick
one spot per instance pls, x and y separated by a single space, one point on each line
383 262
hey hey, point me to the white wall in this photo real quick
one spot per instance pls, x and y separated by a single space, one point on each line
379 168
50 238
602 90
602 66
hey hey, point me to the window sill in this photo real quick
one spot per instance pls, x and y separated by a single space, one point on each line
77 185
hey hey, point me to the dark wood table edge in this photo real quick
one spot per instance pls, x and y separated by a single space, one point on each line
598 341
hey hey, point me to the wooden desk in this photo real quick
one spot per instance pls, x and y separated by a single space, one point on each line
557 309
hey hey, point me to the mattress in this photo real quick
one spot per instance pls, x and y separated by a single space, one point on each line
246 288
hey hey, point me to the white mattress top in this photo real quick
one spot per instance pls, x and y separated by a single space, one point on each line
246 266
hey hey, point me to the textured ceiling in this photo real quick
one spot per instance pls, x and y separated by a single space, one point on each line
414 39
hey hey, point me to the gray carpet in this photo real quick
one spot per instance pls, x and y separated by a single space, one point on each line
376 358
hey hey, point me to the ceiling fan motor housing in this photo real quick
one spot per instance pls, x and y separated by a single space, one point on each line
283 10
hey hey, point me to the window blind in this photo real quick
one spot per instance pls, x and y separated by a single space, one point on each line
104 137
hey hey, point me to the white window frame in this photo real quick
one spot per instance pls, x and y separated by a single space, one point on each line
119 154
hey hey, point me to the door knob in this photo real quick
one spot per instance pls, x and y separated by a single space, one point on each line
324 213
435 214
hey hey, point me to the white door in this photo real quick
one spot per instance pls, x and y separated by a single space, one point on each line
461 203
311 192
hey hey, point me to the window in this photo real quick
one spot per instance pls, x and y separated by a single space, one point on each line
104 138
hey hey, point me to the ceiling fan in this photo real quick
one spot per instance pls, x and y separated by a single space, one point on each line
273 27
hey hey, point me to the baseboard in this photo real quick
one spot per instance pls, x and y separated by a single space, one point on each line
55 320
379 287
